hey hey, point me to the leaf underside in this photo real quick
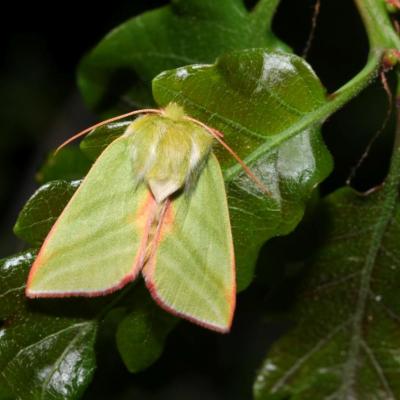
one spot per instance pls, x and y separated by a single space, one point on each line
347 337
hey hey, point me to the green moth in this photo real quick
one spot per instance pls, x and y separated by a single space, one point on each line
154 203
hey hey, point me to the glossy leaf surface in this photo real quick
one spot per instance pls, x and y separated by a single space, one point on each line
41 211
41 356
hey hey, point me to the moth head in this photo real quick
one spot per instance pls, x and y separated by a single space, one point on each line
168 150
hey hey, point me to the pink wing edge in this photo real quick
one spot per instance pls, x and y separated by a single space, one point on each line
149 206
149 269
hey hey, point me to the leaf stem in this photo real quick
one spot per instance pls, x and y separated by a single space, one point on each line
264 11
397 105
393 178
382 38
381 34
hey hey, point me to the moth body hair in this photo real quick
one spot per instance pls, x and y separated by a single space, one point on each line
195 154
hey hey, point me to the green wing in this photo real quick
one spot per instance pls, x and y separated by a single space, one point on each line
98 243
191 272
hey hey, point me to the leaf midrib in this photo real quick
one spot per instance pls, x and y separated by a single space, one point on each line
83 329
32 345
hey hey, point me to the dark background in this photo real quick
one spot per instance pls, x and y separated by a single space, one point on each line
40 107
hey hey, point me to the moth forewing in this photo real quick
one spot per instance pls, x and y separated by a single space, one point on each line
154 199
97 244
191 271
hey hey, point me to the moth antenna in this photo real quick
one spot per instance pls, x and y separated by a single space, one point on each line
246 169
196 121
218 136
107 121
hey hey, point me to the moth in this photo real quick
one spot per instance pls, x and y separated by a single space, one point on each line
154 203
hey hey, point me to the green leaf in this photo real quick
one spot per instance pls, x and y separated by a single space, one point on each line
346 341
69 163
117 73
13 271
258 99
41 356
142 333
42 210
94 144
